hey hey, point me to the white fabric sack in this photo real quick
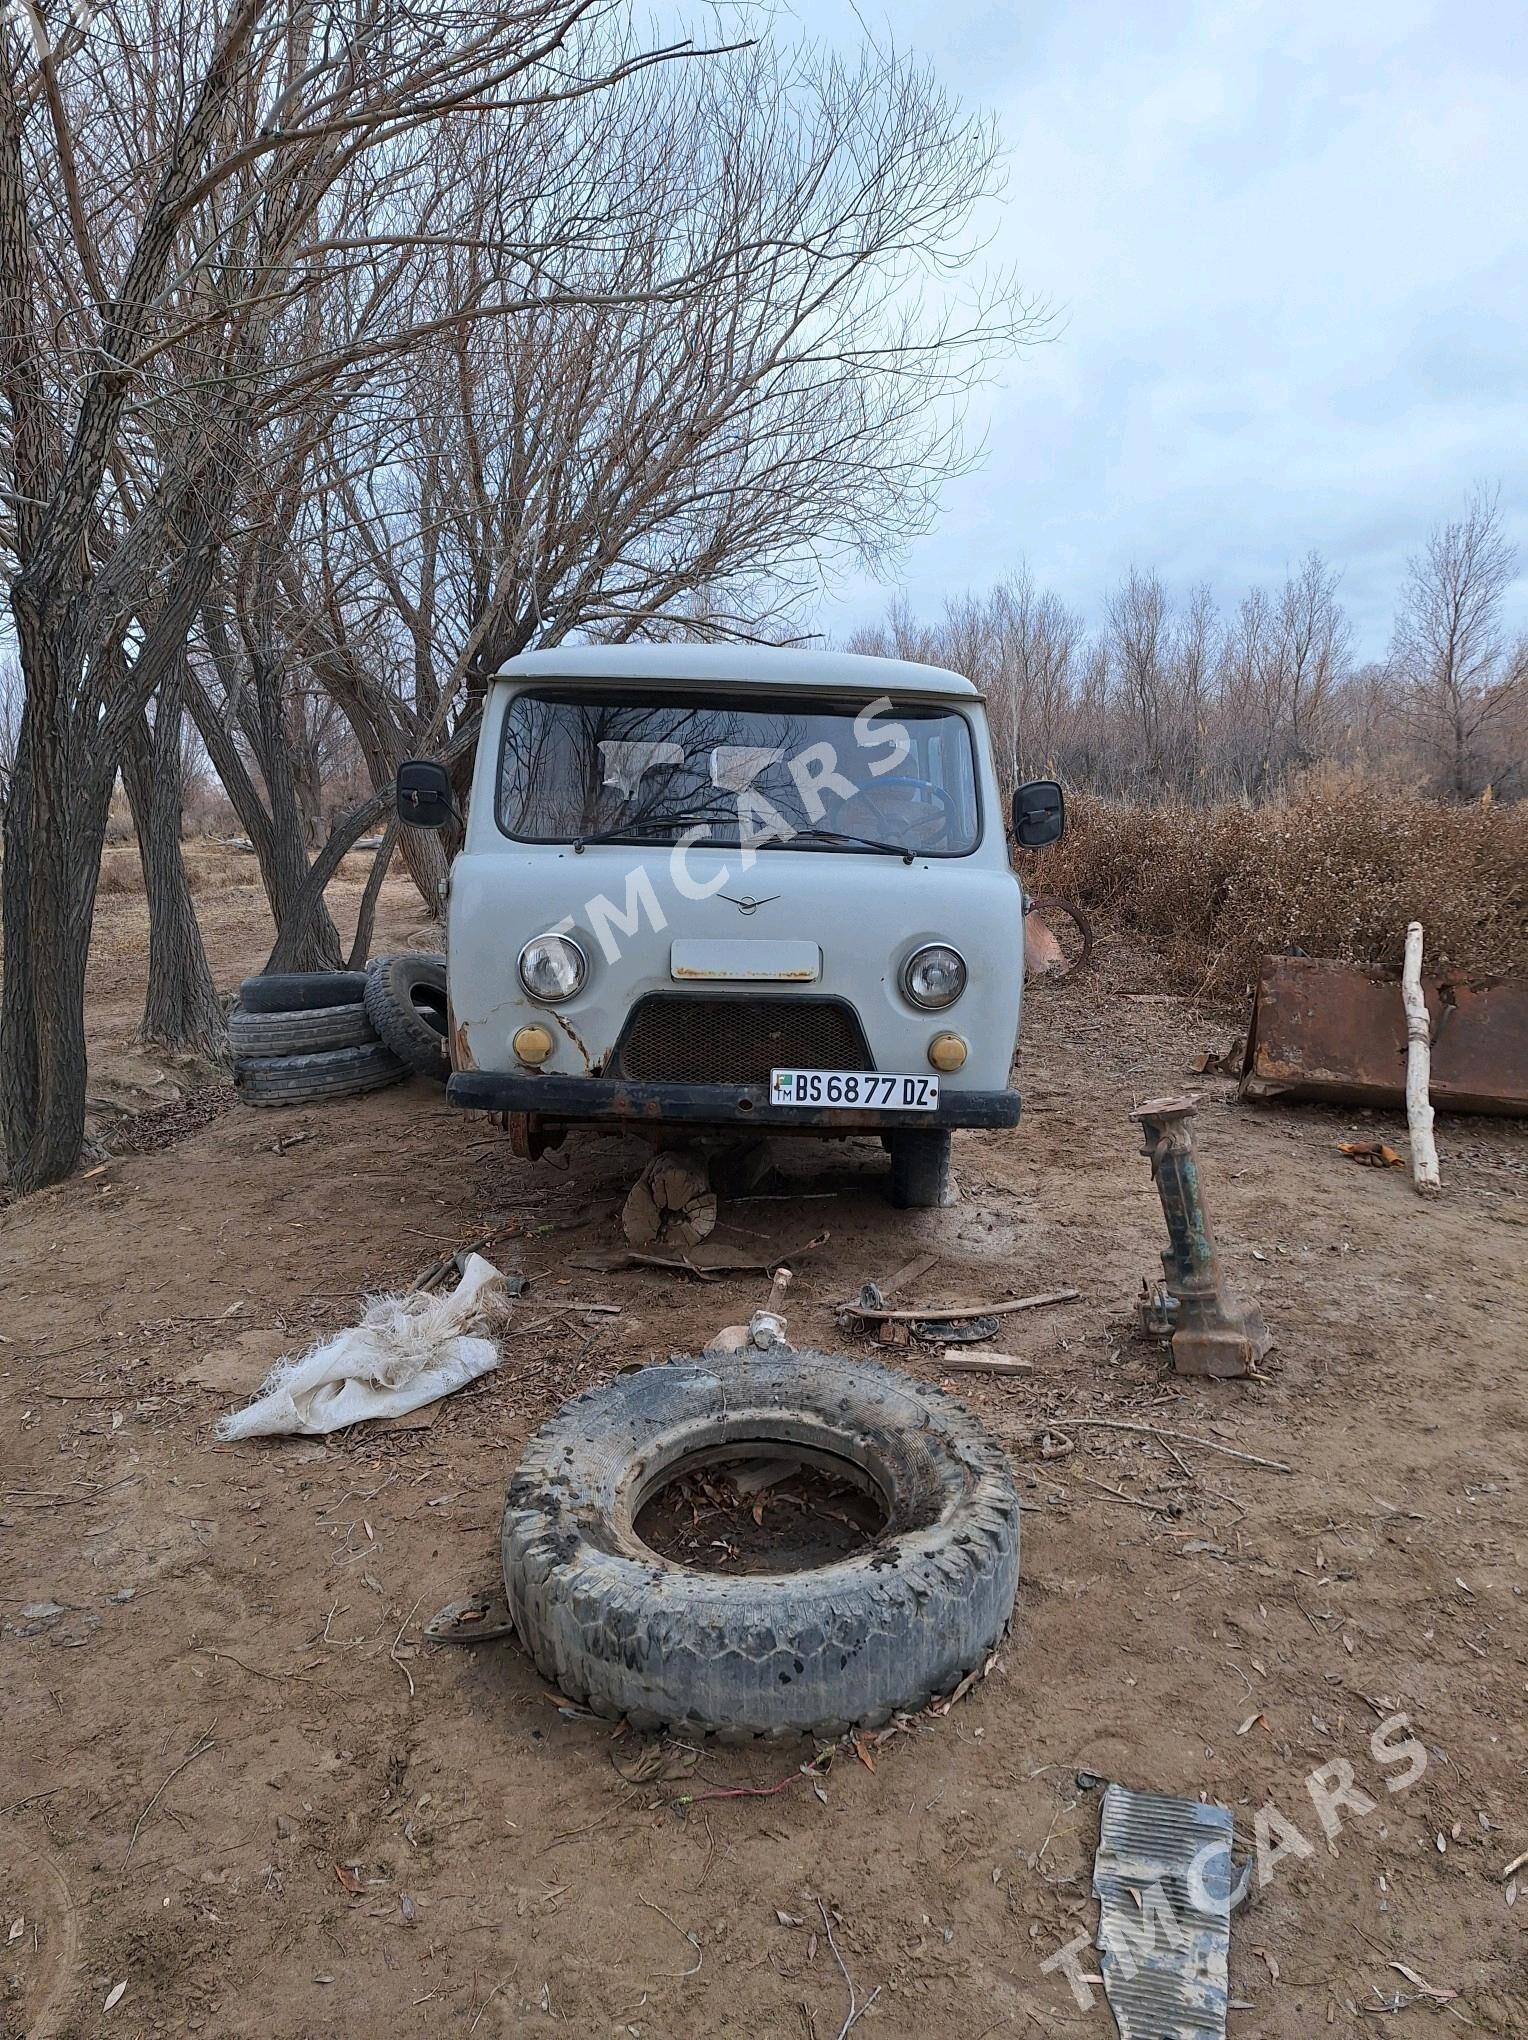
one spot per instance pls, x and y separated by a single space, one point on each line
405 1352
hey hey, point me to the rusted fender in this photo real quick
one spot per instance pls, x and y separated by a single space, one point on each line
1337 1031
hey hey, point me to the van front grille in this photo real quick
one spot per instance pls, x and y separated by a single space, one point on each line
688 1038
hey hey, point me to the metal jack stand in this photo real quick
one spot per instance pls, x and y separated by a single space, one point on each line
1211 1333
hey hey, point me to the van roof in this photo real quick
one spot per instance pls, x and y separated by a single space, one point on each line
736 665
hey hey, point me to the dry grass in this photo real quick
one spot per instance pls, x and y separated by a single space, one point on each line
1336 868
121 872
209 867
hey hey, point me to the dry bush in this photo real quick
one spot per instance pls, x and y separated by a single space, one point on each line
1336 868
119 824
121 873
207 811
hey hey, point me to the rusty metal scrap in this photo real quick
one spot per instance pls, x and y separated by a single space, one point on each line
1337 1031
1210 1332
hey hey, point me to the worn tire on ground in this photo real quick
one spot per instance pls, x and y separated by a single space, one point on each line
305 1079
302 991
326 1027
627 1632
406 1002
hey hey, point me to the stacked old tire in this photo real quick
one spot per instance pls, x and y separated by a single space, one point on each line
299 1038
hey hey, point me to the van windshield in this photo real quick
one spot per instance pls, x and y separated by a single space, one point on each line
818 774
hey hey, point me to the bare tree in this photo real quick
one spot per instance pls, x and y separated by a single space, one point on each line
1312 638
1459 682
1247 656
641 462
181 1007
170 185
1196 649
10 723
1139 638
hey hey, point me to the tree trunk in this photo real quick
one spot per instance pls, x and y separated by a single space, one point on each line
181 1009
384 749
295 930
55 829
292 931
366 919
316 942
283 861
424 858
672 1201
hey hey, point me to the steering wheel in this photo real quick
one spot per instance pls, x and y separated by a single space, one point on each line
929 787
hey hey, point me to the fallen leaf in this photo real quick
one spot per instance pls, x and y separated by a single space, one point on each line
1420 1982
1374 1154
347 1878
789 1919
863 1754
114 1995
18 1928
1251 1722
653 1762
1272 1961
408 1908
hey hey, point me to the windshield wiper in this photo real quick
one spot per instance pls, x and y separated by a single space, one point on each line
860 842
639 827
654 823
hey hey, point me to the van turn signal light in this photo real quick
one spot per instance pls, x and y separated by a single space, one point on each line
947 1052
534 1044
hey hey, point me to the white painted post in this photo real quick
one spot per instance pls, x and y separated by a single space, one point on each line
1419 1112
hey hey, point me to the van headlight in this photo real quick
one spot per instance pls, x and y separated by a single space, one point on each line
934 977
553 967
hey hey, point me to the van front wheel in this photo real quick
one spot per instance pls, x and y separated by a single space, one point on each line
920 1169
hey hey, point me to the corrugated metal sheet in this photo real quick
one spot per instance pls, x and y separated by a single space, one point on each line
1162 1877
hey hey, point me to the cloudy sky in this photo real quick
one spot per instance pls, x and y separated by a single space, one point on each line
1288 244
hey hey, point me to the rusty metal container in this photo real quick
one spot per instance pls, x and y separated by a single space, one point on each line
1337 1031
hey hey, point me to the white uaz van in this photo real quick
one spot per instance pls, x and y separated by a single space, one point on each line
710 887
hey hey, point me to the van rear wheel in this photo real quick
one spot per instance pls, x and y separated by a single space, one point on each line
920 1169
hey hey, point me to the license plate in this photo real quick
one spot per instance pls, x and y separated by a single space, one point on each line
859 1090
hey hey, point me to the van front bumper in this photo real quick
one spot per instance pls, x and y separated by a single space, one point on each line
612 1102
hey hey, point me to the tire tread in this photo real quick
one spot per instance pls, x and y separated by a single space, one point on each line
613 1636
308 1079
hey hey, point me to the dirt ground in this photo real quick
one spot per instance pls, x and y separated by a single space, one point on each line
234 1780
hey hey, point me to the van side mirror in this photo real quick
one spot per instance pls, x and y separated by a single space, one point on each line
424 794
1039 813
